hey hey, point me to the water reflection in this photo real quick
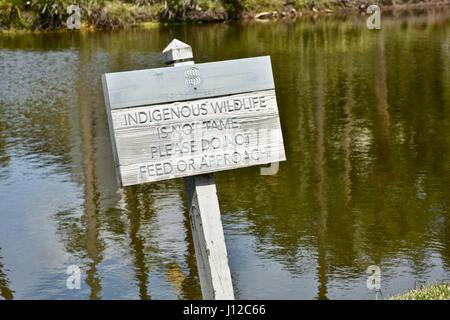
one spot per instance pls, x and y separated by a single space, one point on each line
137 242
4 157
366 125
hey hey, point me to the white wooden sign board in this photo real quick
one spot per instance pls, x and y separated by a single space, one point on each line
192 119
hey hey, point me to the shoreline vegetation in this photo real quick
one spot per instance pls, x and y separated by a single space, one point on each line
35 15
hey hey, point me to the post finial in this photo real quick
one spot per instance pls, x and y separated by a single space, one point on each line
177 51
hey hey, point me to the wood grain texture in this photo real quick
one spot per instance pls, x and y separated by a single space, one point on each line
161 85
254 139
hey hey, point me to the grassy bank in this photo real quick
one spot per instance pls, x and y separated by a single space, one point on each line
103 14
428 292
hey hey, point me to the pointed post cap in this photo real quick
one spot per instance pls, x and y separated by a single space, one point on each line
177 51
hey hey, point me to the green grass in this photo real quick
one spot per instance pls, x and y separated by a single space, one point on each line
427 292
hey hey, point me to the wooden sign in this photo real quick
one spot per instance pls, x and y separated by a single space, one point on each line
192 119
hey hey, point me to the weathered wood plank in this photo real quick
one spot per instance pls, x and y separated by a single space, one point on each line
154 144
187 82
111 130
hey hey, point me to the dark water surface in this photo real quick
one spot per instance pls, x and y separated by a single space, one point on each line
366 123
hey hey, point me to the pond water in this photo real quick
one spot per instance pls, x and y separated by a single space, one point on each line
366 123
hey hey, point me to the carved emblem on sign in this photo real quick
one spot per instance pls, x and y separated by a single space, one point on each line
192 76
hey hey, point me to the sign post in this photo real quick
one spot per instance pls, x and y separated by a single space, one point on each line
190 120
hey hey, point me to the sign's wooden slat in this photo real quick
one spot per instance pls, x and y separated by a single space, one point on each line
187 82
